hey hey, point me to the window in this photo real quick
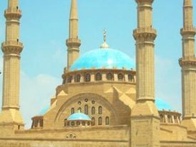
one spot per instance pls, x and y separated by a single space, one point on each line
109 76
93 120
87 77
120 77
100 121
130 78
77 78
93 110
79 109
86 109
169 119
72 111
107 121
69 79
98 77
100 110
72 123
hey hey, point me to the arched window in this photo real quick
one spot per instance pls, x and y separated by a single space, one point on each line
120 77
79 109
109 76
107 121
93 110
77 78
169 119
65 122
65 80
93 120
87 78
98 77
161 118
100 121
130 77
72 110
100 110
69 79
86 109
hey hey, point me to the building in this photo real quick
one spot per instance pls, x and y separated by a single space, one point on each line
101 103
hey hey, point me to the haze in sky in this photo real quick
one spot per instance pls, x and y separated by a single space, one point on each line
44 29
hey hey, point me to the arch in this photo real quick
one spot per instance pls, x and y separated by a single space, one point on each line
92 97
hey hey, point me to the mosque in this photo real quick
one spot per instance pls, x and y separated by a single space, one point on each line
105 99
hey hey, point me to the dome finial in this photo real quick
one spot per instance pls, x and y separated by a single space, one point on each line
104 44
104 35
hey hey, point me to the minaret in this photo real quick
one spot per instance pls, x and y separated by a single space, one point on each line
188 65
73 43
145 121
12 47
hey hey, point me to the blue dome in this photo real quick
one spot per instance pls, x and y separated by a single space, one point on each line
162 105
103 58
78 116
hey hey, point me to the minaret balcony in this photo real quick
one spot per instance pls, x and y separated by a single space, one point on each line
187 62
73 42
147 33
12 13
12 47
190 30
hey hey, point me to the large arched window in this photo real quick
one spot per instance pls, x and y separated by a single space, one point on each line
98 77
100 110
100 121
87 77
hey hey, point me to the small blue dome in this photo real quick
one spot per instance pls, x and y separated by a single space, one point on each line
79 116
162 105
103 58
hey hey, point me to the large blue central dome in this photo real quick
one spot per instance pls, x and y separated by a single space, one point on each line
103 58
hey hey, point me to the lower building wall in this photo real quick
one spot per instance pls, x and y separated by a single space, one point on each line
52 143
69 137
80 143
178 144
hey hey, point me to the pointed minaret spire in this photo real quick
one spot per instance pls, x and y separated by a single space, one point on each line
188 65
73 43
12 47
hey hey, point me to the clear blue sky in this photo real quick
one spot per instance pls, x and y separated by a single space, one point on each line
44 29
